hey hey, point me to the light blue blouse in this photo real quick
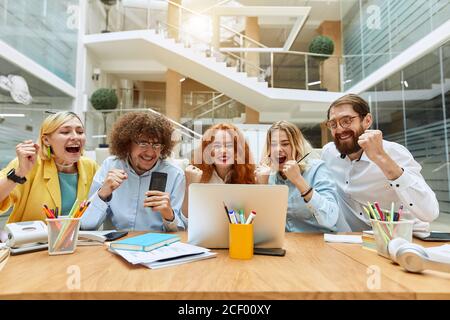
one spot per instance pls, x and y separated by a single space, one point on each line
125 209
321 213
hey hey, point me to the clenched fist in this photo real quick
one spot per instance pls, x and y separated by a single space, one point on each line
27 152
112 181
193 174
262 174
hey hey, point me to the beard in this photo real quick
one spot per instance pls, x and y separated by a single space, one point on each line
349 146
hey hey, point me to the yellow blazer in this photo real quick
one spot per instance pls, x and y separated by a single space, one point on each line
42 187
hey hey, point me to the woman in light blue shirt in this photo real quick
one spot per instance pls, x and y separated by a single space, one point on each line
139 143
312 202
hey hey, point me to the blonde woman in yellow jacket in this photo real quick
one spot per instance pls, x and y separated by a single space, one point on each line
51 171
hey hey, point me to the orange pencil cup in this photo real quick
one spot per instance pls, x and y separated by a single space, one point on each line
62 235
241 241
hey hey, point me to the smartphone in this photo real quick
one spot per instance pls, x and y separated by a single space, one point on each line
115 235
270 251
158 181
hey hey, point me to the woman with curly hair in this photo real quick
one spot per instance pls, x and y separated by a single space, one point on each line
223 157
139 144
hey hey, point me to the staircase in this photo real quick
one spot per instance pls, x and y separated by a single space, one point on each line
207 67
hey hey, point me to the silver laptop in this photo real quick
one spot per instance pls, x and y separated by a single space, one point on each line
208 222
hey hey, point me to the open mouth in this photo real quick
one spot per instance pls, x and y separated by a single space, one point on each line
345 136
223 159
282 159
73 149
148 159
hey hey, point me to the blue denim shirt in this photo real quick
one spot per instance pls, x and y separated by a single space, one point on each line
321 213
125 209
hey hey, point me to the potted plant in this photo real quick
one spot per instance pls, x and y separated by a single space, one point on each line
108 4
321 45
104 99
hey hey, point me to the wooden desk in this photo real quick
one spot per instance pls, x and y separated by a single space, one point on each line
311 269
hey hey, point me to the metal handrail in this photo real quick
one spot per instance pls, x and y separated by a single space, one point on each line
204 42
205 103
177 124
210 110
221 25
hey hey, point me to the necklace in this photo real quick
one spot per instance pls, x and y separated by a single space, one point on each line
64 165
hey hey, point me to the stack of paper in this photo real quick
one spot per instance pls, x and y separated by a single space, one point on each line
165 256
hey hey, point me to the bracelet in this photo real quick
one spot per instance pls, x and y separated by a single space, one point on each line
306 193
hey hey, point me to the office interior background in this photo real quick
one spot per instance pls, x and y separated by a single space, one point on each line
247 62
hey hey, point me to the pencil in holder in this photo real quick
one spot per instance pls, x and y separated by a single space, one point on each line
385 231
241 241
62 235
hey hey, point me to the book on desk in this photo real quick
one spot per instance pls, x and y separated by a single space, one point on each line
145 242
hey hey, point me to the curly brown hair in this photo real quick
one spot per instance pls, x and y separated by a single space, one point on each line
135 126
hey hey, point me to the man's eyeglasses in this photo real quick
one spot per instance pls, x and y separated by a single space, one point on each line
145 145
344 122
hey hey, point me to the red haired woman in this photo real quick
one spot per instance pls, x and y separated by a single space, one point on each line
223 157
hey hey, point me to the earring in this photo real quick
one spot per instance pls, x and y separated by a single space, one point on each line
49 152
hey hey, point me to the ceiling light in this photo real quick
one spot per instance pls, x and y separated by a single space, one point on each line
314 83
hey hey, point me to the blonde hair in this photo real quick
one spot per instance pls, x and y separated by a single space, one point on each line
299 144
50 125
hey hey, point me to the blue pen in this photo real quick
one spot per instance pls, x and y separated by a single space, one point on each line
232 216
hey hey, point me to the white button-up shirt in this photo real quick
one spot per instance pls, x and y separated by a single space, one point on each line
360 181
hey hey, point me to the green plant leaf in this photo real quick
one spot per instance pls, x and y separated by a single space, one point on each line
104 99
321 45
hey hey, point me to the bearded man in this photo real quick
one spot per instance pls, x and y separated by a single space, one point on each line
367 168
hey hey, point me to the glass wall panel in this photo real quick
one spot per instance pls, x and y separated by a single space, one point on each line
390 109
426 122
43 30
375 31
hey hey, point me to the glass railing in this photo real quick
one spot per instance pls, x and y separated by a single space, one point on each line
99 123
142 98
219 109
280 69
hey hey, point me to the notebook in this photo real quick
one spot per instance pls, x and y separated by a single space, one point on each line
145 242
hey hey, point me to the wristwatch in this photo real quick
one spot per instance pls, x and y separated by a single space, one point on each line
13 177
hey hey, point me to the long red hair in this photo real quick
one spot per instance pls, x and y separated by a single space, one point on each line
243 164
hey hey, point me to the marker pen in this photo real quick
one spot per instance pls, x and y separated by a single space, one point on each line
232 216
241 215
250 218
